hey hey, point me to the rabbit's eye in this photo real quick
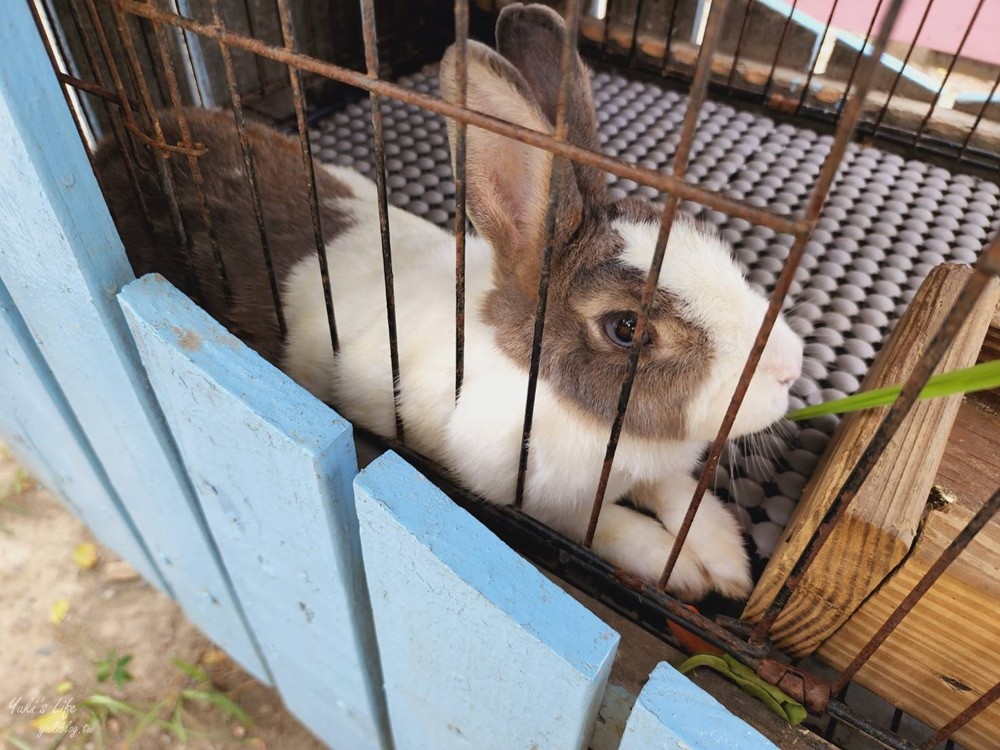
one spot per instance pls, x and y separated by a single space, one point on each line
620 329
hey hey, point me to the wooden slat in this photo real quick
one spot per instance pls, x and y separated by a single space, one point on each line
479 650
38 424
880 525
63 262
944 654
272 467
665 698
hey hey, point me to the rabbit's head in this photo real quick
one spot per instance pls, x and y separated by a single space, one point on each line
704 316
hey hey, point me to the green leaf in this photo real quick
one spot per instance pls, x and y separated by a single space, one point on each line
773 697
151 716
114 667
221 702
979 377
191 670
122 675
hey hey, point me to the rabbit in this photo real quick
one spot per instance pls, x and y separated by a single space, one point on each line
703 321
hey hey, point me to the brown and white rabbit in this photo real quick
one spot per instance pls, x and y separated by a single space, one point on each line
703 321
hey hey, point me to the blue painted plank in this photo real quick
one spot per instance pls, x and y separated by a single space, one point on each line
673 712
63 263
39 425
272 467
479 650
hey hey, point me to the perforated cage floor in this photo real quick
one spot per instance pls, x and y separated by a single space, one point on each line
888 221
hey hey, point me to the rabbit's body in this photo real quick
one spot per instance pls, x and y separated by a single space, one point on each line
479 437
701 327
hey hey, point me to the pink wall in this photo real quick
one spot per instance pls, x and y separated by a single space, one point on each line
943 30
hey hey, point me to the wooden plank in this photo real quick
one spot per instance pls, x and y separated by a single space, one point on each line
943 655
879 527
272 467
38 424
638 654
479 650
63 263
671 711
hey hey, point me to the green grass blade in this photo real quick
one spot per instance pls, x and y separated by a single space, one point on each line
191 670
979 377
220 701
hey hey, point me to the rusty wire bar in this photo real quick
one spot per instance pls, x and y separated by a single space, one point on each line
261 78
661 181
739 46
250 166
857 60
197 178
52 45
819 49
183 36
147 47
952 551
844 132
370 34
634 35
987 267
843 713
670 34
46 16
561 126
944 82
780 47
159 156
699 91
461 40
78 83
298 98
109 60
979 118
899 74
115 114
968 714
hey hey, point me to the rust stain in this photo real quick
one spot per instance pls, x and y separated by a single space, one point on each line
188 340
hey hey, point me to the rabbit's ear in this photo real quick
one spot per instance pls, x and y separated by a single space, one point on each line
532 38
507 181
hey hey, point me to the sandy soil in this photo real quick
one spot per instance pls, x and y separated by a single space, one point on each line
44 665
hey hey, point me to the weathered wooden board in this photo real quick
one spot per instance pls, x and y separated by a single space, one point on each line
62 262
944 654
38 424
479 650
272 467
673 712
876 533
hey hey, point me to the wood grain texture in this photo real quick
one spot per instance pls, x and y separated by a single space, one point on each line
63 263
479 649
879 527
943 655
272 467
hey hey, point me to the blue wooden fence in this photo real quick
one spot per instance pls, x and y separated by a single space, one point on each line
385 615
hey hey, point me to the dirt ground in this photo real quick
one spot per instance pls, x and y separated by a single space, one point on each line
174 688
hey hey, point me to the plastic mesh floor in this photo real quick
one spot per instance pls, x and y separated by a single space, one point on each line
888 221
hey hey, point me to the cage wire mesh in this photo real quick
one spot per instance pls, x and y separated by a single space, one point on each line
848 262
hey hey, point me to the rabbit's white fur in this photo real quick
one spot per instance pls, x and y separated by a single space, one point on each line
478 438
